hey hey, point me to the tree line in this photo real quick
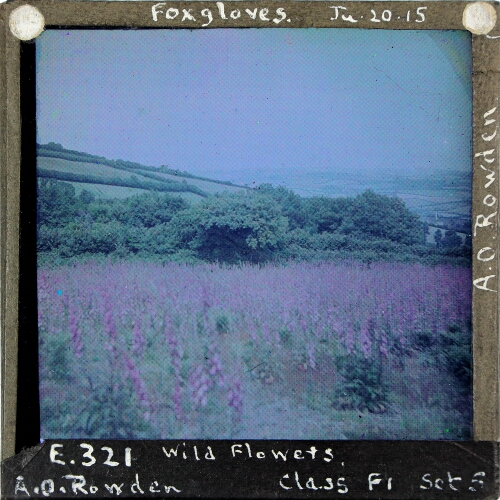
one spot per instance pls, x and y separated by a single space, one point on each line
264 224
132 181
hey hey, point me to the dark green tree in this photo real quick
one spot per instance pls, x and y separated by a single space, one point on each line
328 214
383 217
451 240
232 228
86 197
56 203
150 209
291 204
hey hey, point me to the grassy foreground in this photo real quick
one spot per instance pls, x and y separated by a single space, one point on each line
296 351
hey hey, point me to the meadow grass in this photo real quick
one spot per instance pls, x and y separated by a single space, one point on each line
291 351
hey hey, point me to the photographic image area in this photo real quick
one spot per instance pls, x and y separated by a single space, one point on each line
258 233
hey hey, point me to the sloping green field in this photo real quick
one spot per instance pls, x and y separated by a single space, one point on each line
104 191
105 180
77 167
210 187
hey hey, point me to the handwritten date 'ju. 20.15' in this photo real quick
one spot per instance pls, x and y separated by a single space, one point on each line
341 13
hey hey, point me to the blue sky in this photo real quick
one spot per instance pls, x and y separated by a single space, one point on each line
253 105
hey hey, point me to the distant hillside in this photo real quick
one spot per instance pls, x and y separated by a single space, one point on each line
209 186
118 178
